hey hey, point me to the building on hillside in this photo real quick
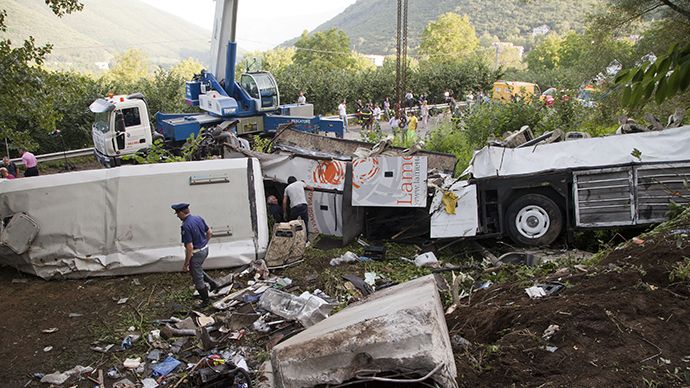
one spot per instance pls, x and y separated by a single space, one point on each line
377 60
541 30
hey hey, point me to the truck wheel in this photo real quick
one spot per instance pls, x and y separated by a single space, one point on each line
534 219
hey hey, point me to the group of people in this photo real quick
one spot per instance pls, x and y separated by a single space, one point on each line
370 113
8 169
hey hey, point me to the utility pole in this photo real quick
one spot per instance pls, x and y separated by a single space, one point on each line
401 52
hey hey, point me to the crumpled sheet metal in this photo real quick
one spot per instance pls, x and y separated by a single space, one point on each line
118 221
398 328
668 145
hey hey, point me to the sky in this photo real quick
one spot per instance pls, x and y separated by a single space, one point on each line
258 19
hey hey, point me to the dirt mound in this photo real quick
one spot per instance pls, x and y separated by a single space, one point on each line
622 322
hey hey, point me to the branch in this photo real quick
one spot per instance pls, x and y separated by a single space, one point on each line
676 8
638 15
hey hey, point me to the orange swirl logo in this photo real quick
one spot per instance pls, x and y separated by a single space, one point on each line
328 172
363 170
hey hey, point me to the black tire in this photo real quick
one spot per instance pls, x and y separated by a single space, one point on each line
534 220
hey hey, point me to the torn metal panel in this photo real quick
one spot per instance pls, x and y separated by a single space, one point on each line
322 174
389 181
325 212
465 221
119 221
398 328
324 146
659 146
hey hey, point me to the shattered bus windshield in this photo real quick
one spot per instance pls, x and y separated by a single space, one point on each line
102 122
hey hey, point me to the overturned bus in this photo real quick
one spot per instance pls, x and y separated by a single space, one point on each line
533 194
119 221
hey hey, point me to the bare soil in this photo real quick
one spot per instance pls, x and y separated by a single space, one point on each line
622 323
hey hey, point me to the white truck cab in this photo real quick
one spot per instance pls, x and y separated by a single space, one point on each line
121 127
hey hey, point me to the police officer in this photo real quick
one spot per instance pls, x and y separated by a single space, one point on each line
195 236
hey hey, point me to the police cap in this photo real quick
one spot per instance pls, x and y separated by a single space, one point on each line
179 206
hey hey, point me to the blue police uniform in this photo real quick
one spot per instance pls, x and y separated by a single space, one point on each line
193 230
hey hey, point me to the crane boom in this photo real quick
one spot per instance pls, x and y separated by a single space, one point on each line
224 29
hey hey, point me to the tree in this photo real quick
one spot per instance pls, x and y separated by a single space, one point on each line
325 50
621 13
274 60
129 67
186 68
25 103
546 55
666 77
450 37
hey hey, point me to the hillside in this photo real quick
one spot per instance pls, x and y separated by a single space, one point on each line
103 29
370 24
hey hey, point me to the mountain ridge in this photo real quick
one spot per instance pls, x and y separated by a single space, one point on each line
85 40
371 24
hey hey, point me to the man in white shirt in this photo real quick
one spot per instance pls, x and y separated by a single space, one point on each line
298 200
342 112
301 99
377 112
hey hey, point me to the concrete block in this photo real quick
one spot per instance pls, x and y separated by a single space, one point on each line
398 328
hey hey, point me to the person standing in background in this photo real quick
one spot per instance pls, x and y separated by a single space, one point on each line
30 163
301 99
342 112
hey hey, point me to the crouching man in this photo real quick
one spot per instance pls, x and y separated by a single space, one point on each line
195 236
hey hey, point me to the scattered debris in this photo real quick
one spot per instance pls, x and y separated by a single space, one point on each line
307 309
132 363
58 378
49 331
148 383
550 331
541 290
166 366
427 259
124 383
122 300
521 258
20 281
47 348
75 315
347 257
637 241
287 245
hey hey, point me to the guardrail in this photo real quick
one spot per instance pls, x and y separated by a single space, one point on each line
59 155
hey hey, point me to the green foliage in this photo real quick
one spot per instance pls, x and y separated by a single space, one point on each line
186 69
327 50
130 66
449 138
680 271
666 77
262 144
459 77
566 62
546 55
157 153
448 38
